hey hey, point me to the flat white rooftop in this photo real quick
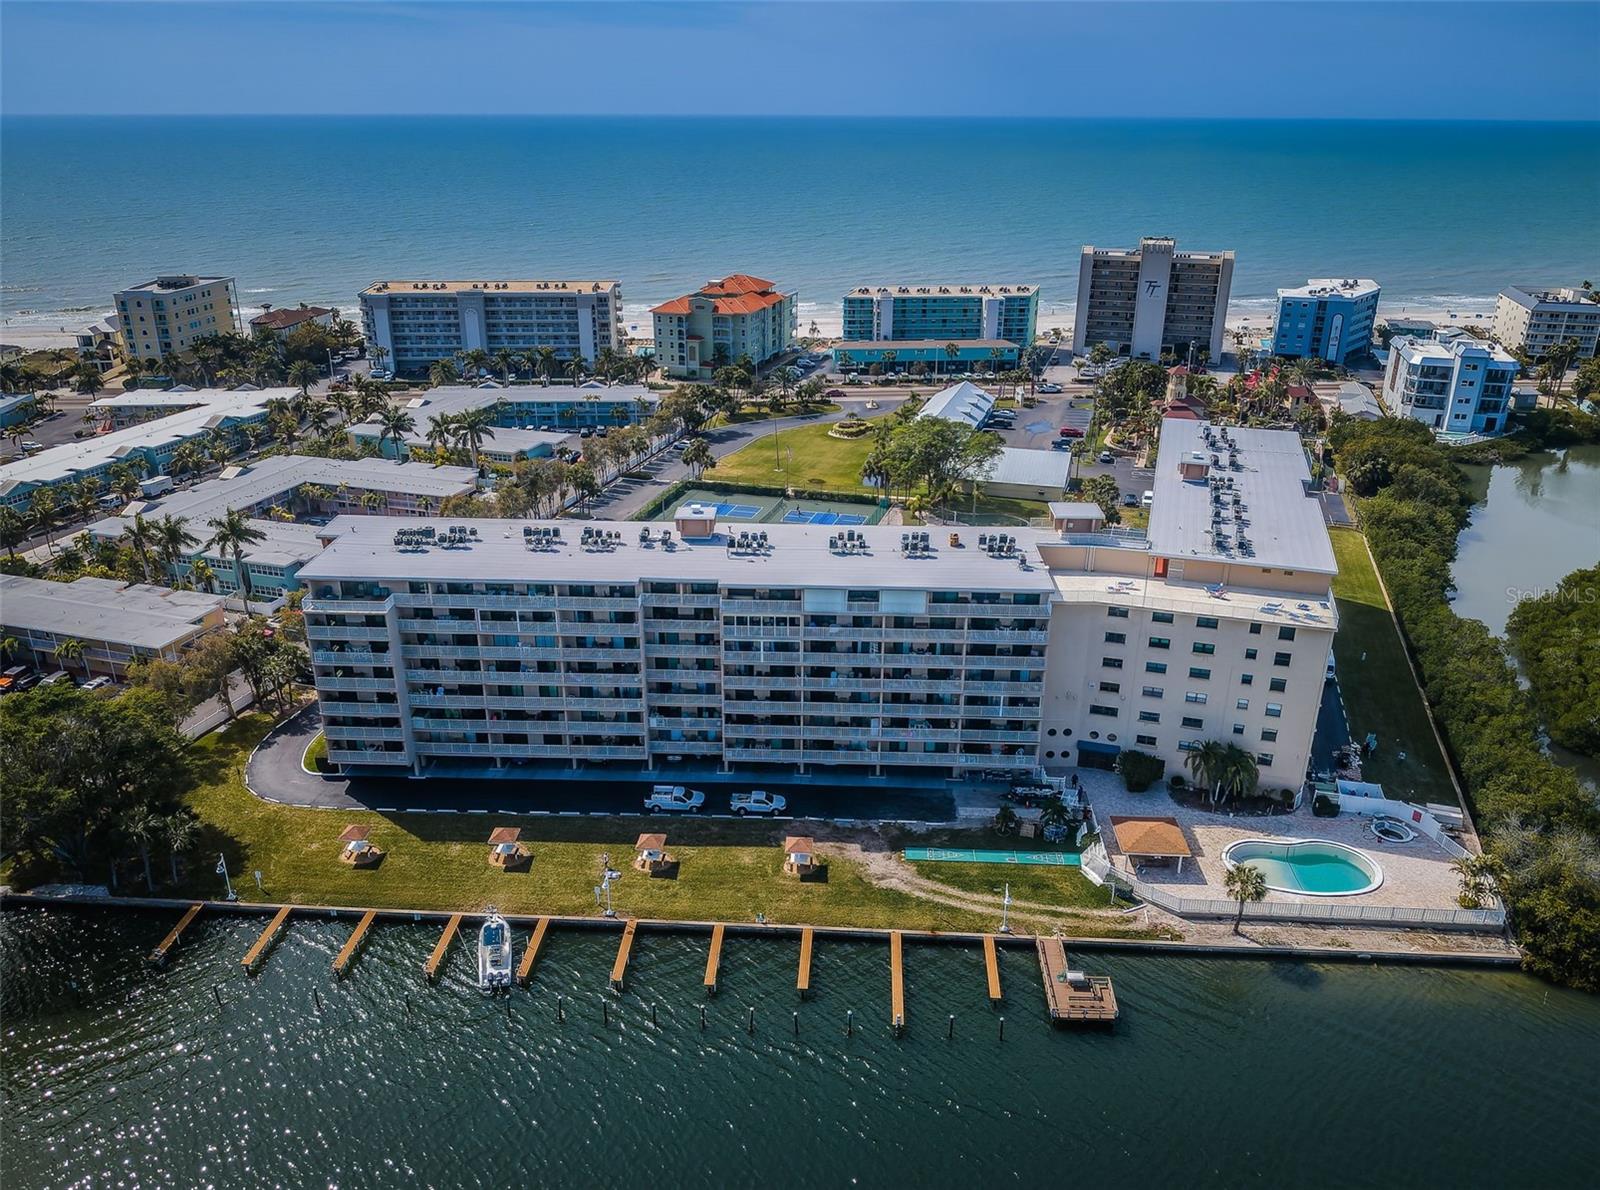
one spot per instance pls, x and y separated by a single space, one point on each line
364 548
1346 287
936 290
1547 297
556 287
97 609
1228 603
1279 518
1031 468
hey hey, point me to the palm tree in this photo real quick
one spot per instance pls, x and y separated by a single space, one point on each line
231 533
951 354
70 650
1054 813
204 577
1476 873
506 360
174 541
372 501
139 535
1244 882
42 504
575 366
1005 820
187 459
9 647
378 354
1205 764
125 482
546 357
396 424
472 427
303 374
142 827
1239 773
86 377
442 372
698 458
180 830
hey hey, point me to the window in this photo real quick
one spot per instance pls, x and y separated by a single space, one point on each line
1247 679
1286 633
1161 617
1205 621
1194 696
1278 685
1188 745
1197 724
1282 658
1200 673
1149 741
1116 638
1269 735
1149 717
1117 613
1241 704
1155 667
1160 642
1109 712
1111 662
1255 630
1238 729
1274 710
1264 759
1204 647
1110 687
1153 692
1249 654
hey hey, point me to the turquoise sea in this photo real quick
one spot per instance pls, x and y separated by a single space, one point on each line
314 209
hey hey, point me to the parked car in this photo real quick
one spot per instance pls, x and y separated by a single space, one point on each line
12 678
1049 387
834 394
1106 456
1148 499
100 683
60 678
29 446
1063 444
381 374
673 799
1331 674
758 801
1130 499
1071 432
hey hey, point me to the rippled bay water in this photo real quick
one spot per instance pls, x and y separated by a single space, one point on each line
1221 1072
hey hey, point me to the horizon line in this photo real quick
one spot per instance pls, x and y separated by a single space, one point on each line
853 116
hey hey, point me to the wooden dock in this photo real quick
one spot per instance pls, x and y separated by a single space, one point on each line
1088 999
991 965
430 969
714 959
530 954
347 953
619 969
897 983
253 957
802 982
165 947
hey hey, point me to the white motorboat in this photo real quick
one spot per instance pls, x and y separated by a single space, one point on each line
494 952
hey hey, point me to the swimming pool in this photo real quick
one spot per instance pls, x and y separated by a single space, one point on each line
1309 867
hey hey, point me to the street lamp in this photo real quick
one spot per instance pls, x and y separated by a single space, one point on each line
1005 910
608 876
222 870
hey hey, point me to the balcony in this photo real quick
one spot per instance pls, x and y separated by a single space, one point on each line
323 683
348 607
338 732
341 632
471 600
361 756
349 657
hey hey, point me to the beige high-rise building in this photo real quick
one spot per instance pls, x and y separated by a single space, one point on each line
166 316
1534 320
1150 300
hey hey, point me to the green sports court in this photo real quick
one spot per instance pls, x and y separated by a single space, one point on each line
758 509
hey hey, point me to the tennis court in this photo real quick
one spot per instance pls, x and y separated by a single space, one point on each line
758 508
807 516
963 855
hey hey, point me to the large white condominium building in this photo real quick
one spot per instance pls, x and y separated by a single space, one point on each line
418 322
442 648
1152 299
1535 320
1456 384
165 316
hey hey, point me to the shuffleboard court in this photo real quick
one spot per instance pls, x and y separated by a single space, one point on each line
965 855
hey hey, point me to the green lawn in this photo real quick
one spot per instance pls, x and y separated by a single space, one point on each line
1379 693
761 412
804 457
1004 510
1067 887
728 870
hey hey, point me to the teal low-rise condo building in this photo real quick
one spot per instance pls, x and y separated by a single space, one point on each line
947 328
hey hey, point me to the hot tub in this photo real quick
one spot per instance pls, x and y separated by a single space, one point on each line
1307 867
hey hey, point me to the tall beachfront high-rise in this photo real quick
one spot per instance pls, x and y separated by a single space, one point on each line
418 322
1151 300
1534 320
165 316
723 320
987 324
1330 319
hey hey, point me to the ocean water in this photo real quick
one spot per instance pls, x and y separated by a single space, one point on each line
1221 1072
314 209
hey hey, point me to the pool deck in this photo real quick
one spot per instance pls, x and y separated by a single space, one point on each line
1416 875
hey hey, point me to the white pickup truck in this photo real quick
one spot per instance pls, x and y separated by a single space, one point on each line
758 801
674 798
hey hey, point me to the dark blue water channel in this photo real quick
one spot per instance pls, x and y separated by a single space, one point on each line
1222 1072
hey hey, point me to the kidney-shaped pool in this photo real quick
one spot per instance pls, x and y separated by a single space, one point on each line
1309 867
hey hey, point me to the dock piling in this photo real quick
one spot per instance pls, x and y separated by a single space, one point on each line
258 952
750 1026
796 1024
702 1018
1002 1028
561 1012
950 1034
430 969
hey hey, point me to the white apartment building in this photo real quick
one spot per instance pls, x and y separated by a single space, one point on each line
441 648
419 322
737 316
1533 320
117 623
1454 383
165 316
1152 299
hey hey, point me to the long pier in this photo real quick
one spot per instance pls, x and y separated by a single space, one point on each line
430 969
619 969
714 959
802 981
897 984
530 953
347 953
991 966
253 957
165 947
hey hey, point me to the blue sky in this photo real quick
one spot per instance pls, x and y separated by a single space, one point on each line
1192 58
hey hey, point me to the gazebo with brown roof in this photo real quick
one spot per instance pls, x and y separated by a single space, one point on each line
1151 838
504 850
651 854
799 854
357 852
